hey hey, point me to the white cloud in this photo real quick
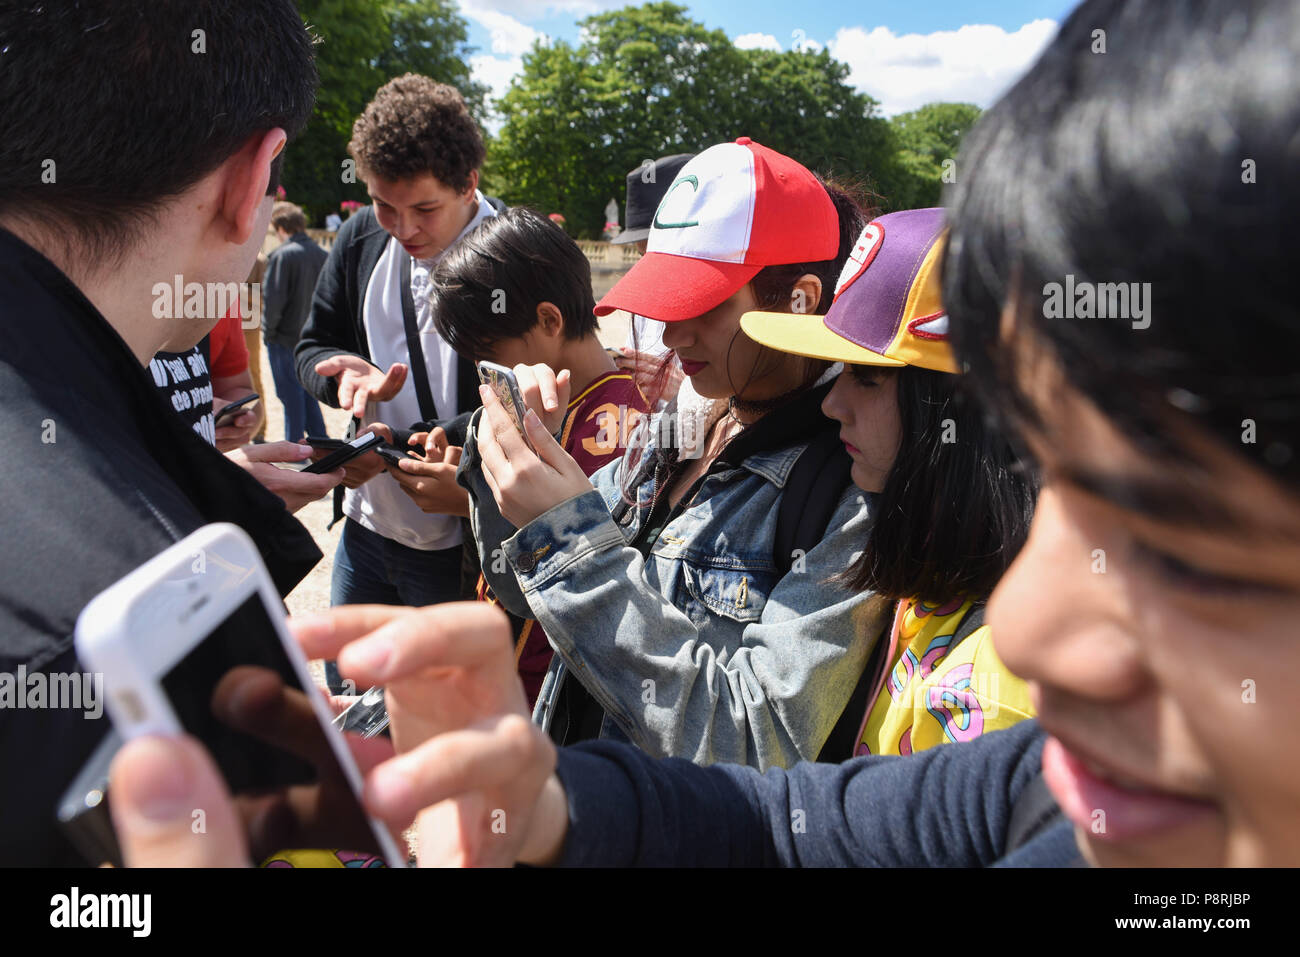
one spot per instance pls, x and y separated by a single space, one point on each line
533 10
495 72
757 41
540 9
973 64
509 36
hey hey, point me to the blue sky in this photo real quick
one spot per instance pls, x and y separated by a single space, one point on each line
902 53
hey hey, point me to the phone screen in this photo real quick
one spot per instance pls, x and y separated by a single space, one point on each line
247 719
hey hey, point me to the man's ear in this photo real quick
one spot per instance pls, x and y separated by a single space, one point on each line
806 294
550 321
247 179
473 185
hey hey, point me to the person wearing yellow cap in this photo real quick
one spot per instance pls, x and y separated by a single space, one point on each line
950 511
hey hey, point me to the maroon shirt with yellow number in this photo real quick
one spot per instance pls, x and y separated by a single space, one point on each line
595 431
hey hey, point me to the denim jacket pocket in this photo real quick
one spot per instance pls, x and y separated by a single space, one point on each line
733 592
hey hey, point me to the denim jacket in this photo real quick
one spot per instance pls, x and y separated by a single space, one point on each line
702 651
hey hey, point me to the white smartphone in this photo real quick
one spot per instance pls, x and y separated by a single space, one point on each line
184 643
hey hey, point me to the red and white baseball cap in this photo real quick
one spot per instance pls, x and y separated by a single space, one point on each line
732 210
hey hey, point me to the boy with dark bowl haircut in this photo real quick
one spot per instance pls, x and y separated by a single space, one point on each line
517 292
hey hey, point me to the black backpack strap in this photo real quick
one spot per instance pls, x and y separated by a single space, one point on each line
812 492
418 370
1032 811
840 744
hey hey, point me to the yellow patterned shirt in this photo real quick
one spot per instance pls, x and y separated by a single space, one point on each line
932 696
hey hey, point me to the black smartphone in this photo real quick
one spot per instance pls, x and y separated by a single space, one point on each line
229 412
349 451
324 443
392 454
83 809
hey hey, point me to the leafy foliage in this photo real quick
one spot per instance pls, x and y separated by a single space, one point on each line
927 145
648 81
642 82
362 44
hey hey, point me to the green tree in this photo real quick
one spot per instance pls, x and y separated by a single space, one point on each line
648 81
800 104
928 139
362 44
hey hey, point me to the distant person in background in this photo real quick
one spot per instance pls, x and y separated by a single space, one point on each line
333 221
291 275
199 382
644 353
252 325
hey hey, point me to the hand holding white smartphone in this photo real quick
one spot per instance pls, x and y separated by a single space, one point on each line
195 641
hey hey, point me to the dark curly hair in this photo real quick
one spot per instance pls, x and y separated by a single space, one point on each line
415 125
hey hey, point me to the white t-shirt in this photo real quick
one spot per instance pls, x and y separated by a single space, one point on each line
380 505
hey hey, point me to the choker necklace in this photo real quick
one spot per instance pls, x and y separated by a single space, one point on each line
758 407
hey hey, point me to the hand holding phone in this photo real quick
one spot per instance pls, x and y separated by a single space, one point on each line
194 641
502 381
546 392
294 487
440 689
430 480
232 410
346 453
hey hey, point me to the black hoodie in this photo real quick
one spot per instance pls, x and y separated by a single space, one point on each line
99 475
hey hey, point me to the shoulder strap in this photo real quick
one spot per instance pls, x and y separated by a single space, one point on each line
812 492
839 745
418 370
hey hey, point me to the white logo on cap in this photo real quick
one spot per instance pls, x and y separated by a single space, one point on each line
708 212
864 251
930 327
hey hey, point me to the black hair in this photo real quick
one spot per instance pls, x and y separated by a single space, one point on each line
1171 158
955 507
489 285
112 108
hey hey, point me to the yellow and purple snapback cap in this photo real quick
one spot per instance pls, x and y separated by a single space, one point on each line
887 309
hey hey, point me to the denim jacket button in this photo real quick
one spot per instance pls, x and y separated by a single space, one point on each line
527 562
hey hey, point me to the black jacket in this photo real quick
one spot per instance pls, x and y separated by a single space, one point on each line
100 475
291 273
335 325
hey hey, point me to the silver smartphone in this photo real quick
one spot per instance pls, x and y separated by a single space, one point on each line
506 386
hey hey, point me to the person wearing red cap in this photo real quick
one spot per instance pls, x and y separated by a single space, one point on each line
689 593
